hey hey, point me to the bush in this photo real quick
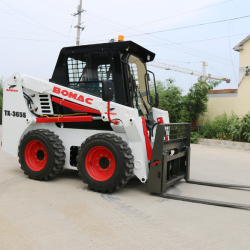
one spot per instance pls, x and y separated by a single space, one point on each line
194 137
227 127
244 125
1 99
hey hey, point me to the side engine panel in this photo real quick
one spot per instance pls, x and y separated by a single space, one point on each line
42 102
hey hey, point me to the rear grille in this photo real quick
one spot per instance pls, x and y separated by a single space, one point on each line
45 105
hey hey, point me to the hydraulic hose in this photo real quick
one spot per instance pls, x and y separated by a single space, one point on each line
115 122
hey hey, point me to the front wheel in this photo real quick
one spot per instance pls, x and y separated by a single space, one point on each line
105 162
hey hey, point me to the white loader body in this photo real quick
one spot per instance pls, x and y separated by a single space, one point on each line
18 120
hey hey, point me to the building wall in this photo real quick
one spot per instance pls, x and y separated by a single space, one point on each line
244 54
239 102
218 105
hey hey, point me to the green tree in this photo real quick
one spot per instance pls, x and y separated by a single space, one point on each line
195 102
171 98
183 108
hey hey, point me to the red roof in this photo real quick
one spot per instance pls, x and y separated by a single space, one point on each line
223 91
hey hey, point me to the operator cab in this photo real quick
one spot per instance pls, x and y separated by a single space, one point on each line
84 68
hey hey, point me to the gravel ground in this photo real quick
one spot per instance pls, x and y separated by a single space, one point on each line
64 214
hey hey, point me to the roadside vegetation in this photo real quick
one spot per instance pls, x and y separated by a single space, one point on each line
227 127
187 108
1 99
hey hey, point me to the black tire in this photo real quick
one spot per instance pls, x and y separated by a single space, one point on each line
50 156
123 162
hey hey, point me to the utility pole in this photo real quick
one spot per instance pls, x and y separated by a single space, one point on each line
78 26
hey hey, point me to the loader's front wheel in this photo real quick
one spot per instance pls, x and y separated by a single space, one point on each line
41 154
105 162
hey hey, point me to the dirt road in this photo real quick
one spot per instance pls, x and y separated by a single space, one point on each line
64 214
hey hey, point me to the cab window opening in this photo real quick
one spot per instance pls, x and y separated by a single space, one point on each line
87 71
140 88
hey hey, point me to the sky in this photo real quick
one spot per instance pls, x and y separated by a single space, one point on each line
32 33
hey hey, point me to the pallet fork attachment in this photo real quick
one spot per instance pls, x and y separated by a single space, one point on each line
170 163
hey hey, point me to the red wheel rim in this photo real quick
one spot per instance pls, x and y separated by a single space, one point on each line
100 163
35 155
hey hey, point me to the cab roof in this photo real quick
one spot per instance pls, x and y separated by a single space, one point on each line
121 47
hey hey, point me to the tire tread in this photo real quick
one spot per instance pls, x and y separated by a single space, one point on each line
58 152
127 157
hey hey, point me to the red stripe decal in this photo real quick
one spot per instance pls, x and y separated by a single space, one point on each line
156 162
65 119
74 106
160 120
147 141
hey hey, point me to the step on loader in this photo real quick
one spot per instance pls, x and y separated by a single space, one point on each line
96 115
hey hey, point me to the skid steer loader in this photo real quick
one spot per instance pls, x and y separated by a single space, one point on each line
96 115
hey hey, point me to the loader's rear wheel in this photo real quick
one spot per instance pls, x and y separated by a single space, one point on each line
41 154
105 162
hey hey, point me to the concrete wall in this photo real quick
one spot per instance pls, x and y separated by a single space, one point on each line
238 102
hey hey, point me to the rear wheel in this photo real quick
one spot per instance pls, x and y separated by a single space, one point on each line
105 162
41 154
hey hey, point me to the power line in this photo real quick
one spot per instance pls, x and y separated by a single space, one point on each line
32 33
19 38
70 30
186 47
169 17
16 38
36 14
217 72
115 25
198 55
184 13
33 20
131 7
90 21
189 53
102 23
192 54
24 20
179 50
190 48
67 5
56 5
107 18
53 6
203 40
191 26
38 17
202 51
118 7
